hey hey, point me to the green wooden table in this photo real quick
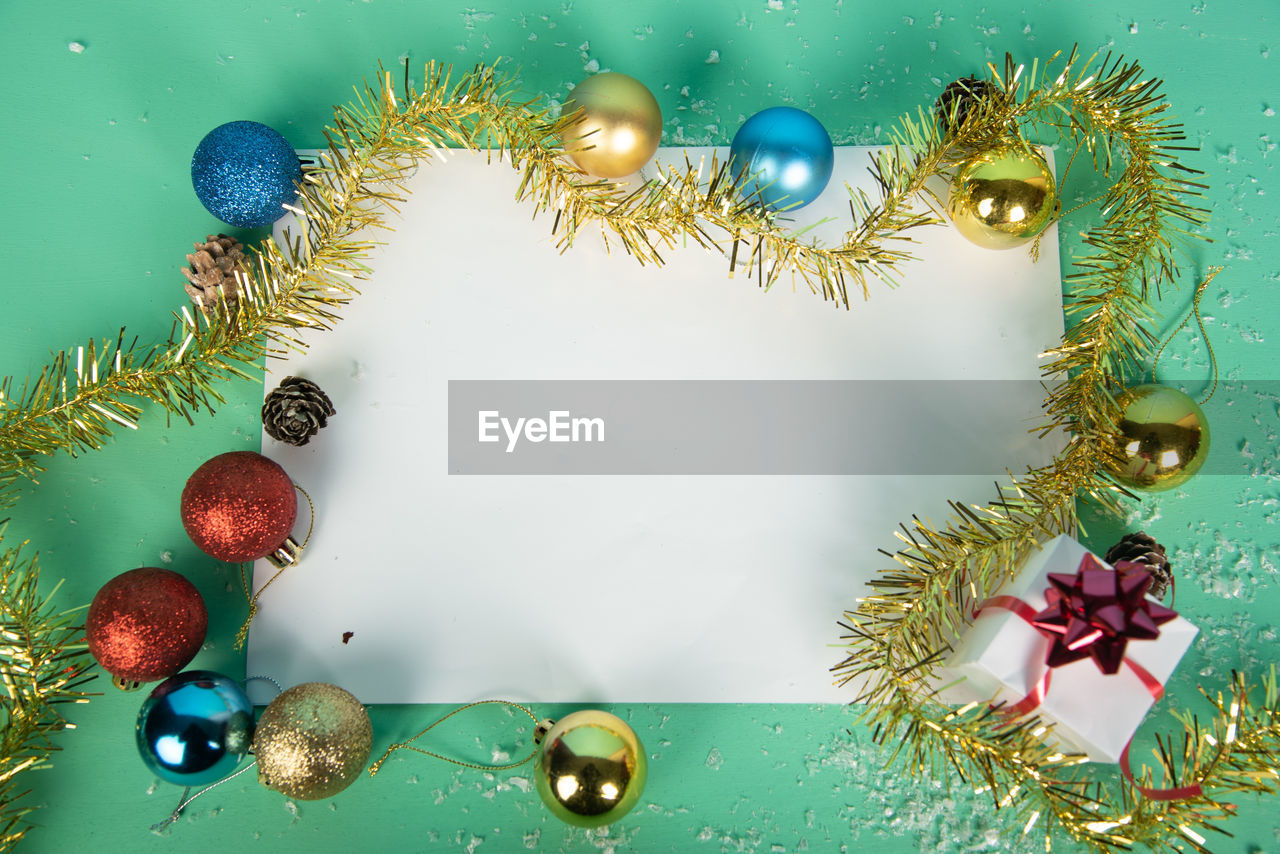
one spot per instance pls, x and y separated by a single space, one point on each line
98 212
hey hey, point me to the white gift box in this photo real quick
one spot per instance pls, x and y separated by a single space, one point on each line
1003 656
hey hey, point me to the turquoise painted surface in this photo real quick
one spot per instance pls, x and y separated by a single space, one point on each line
98 211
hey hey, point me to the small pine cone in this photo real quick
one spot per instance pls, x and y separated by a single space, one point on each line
964 96
1140 548
211 274
295 411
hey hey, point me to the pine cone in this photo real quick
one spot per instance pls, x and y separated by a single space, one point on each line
211 275
1140 548
964 96
295 411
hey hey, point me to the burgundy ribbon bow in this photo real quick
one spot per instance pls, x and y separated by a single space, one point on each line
1095 612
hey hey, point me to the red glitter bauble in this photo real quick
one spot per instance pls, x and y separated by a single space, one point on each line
146 624
239 506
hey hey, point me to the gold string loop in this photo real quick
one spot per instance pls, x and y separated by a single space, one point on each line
407 745
292 551
1195 309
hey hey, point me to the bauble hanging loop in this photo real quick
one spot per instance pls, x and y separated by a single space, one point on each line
619 128
590 768
286 554
1003 198
1162 438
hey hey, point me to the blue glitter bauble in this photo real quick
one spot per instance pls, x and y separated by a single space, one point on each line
244 173
195 728
786 155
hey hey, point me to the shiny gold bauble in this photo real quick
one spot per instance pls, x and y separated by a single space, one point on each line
1163 439
312 741
620 128
1003 198
590 769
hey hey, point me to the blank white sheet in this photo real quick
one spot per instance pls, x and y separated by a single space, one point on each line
611 588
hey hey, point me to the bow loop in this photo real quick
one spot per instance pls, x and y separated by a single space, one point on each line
1095 612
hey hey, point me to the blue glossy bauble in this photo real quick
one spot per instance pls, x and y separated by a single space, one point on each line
244 173
785 154
195 728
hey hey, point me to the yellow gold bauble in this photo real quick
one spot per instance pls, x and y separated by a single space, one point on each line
1003 198
312 741
590 769
1163 438
620 128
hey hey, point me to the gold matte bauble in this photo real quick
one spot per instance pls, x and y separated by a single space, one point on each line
1003 198
1163 438
590 769
620 127
312 741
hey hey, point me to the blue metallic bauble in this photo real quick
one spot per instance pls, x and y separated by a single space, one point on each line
195 728
787 156
244 172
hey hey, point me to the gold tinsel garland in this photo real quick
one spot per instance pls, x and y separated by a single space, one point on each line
43 665
1109 110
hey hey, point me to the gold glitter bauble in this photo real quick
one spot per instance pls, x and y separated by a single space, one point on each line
312 741
620 128
590 769
1163 439
1003 198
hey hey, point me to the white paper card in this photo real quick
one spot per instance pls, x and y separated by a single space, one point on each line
1002 656
673 588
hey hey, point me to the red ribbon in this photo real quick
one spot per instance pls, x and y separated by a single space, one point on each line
1176 794
1033 700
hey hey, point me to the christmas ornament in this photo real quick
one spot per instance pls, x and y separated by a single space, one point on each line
785 155
1003 198
244 173
241 506
212 268
1096 611
590 768
1143 549
145 624
195 728
295 411
1163 438
620 127
960 100
312 741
